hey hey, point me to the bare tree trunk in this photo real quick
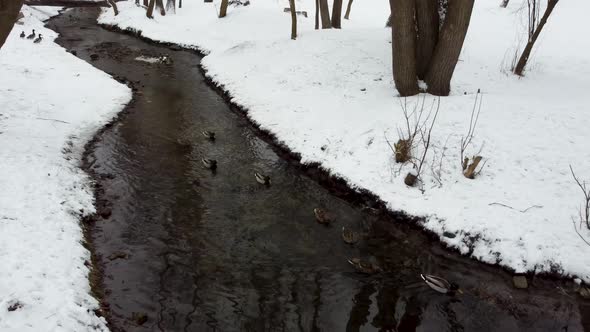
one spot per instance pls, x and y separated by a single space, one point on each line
427 25
223 8
448 49
9 10
293 20
348 8
171 6
325 14
160 6
114 5
526 53
404 47
146 3
504 3
150 9
317 14
179 3
336 14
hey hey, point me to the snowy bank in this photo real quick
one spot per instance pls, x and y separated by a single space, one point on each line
329 96
50 106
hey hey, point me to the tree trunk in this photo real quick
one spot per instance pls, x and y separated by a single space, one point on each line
114 5
348 8
293 20
427 25
9 10
171 6
325 14
146 3
317 14
504 3
150 10
160 6
336 14
404 47
526 53
448 49
179 3
223 8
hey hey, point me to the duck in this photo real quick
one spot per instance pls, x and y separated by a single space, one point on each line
322 216
210 163
349 236
262 179
22 34
440 285
38 39
32 35
209 134
363 266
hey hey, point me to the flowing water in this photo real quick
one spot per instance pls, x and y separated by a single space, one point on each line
194 250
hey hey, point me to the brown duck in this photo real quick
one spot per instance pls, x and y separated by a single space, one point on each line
349 236
322 216
363 266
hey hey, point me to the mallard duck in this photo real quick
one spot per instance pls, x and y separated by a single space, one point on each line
22 34
371 210
209 134
349 236
32 35
262 179
365 267
38 39
209 163
323 216
440 285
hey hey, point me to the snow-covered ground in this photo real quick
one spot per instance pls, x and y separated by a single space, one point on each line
49 107
329 96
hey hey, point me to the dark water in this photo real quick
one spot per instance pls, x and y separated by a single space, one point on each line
219 252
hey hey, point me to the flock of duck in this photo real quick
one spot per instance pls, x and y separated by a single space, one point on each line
32 35
324 217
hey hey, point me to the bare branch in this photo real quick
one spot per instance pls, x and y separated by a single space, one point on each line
521 211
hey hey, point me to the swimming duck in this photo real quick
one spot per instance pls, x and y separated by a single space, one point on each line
262 179
38 39
22 34
365 267
209 163
440 285
32 35
349 236
209 134
323 216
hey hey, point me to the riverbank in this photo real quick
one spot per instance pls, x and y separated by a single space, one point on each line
50 107
183 249
329 97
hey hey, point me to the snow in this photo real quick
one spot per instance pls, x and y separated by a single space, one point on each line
49 108
334 89
147 59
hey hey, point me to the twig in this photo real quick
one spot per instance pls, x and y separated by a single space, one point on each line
389 143
53 120
580 235
521 211
586 192
427 140
465 141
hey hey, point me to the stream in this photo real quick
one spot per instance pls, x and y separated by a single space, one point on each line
182 248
